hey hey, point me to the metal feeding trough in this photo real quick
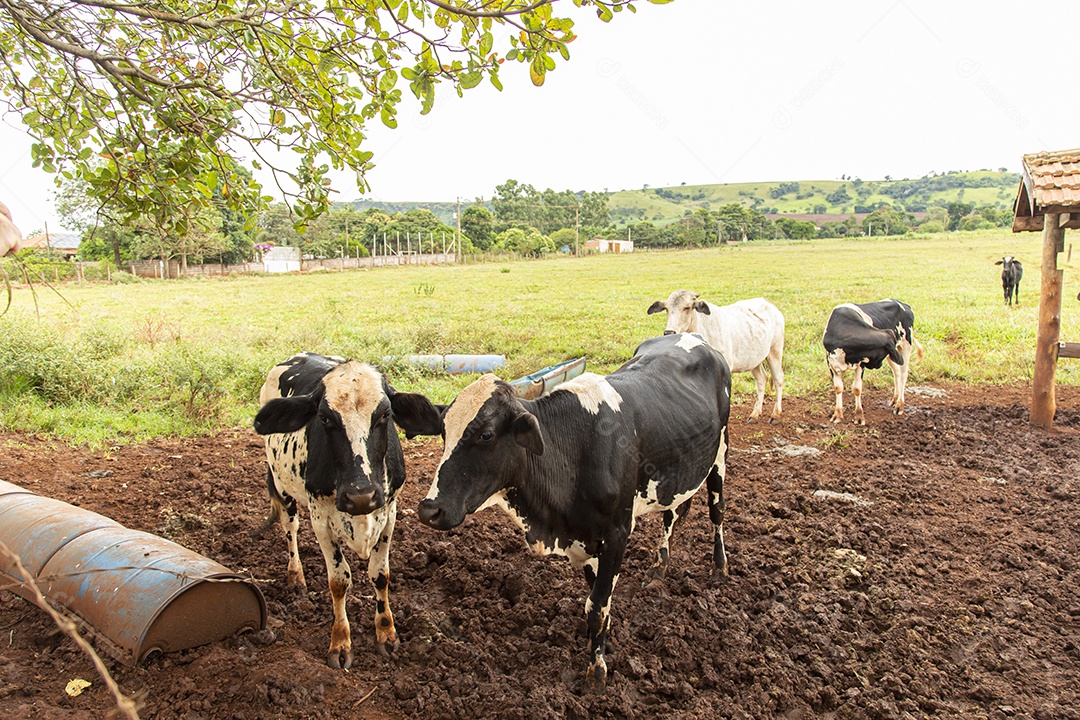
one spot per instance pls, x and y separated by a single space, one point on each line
543 381
137 592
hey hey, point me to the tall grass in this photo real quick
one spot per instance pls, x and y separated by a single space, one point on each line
167 357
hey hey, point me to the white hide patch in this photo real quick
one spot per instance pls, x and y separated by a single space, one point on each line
354 391
838 360
721 452
859 311
573 550
461 413
689 341
272 388
499 500
592 391
645 503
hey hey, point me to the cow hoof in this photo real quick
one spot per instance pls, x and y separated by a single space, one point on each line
340 659
387 649
718 577
596 679
774 421
751 420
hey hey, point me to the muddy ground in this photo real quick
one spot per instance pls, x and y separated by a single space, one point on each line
949 589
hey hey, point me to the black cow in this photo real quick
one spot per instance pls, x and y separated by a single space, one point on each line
865 336
1011 272
577 466
331 441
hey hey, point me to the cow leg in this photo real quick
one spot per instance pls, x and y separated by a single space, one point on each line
759 379
714 484
671 519
776 369
598 607
339 578
900 375
838 388
856 390
289 515
386 639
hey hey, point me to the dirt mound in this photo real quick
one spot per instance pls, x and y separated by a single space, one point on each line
934 574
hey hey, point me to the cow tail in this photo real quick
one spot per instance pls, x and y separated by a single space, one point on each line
277 506
918 351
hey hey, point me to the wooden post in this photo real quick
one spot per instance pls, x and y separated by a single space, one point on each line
1043 401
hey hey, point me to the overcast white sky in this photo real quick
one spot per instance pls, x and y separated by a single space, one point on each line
710 91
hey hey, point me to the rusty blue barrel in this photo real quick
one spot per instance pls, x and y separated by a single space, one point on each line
138 593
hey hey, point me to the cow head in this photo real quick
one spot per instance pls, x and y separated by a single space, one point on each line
682 308
350 420
488 435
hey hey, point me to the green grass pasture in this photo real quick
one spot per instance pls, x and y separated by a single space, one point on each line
156 357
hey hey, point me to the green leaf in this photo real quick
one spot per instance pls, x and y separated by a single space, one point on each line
388 81
471 79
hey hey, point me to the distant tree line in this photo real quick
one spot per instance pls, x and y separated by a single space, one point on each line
518 218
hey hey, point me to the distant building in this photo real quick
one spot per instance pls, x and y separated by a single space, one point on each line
612 246
282 259
67 244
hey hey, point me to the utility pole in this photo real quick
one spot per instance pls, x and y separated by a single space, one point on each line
577 232
458 215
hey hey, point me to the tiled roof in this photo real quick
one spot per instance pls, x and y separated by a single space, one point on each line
1054 178
59 241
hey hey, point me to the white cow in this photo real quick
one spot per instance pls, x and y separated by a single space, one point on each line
746 333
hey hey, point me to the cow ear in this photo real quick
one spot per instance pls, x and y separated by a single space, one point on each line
527 433
656 307
287 414
1000 262
702 307
416 415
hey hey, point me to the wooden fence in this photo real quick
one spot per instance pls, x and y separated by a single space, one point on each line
159 269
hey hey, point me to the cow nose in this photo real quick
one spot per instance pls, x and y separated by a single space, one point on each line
429 513
358 502
669 332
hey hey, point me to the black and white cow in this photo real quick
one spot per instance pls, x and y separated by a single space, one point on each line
748 333
576 467
331 441
1011 272
865 336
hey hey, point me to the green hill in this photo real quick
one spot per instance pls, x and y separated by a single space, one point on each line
839 197
664 205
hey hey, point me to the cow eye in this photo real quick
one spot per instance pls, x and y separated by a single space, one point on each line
487 436
325 420
384 417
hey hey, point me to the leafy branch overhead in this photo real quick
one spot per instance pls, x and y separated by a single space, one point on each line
156 104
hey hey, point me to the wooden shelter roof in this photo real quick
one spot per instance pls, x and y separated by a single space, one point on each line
1050 184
